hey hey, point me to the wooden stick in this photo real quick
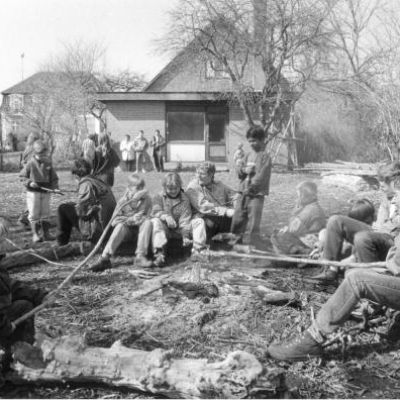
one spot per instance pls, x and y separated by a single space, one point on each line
68 279
298 260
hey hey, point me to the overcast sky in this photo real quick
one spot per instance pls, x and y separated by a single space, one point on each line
37 28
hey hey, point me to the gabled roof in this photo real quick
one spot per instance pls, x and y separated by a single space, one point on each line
28 85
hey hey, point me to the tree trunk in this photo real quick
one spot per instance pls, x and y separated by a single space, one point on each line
70 359
27 257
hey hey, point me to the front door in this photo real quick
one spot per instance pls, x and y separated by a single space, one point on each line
216 123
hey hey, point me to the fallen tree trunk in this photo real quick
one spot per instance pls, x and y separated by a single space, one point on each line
70 359
27 257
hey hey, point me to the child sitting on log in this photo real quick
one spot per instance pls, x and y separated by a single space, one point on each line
40 178
171 216
16 299
308 218
132 220
92 210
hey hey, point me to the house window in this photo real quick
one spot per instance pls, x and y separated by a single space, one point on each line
216 70
186 125
16 102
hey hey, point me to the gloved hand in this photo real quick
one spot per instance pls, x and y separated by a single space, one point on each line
170 222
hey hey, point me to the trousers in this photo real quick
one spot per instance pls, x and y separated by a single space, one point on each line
122 232
38 206
247 217
358 284
369 246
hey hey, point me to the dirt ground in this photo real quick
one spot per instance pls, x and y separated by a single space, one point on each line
100 306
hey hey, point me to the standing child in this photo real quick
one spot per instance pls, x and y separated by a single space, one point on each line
39 175
254 175
238 156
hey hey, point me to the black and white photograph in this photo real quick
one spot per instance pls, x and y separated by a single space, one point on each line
199 199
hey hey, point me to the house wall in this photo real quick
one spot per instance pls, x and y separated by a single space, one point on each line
129 117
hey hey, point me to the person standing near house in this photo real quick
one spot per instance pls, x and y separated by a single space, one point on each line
141 145
39 175
105 161
158 144
254 175
127 153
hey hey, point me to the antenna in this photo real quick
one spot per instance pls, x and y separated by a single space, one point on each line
22 66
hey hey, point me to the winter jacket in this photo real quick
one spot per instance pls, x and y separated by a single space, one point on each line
104 165
178 208
388 218
94 192
138 208
256 183
307 219
40 172
205 200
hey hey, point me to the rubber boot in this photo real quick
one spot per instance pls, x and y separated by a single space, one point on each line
35 227
46 231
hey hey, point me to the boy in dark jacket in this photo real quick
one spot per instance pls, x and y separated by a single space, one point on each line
39 175
93 209
254 174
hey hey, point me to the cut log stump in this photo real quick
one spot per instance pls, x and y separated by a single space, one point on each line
54 253
69 359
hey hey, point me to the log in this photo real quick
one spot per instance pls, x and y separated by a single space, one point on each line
27 257
69 359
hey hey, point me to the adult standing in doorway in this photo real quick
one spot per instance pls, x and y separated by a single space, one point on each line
141 145
158 144
105 161
128 153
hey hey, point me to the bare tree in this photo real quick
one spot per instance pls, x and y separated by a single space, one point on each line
243 36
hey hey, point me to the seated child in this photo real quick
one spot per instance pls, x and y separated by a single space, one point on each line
131 220
171 216
92 210
308 218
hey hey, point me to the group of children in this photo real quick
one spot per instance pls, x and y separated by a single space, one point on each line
207 207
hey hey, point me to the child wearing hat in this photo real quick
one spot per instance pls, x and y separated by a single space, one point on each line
39 175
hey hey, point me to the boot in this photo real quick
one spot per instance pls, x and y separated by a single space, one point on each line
298 349
101 265
327 276
159 259
143 262
36 237
46 231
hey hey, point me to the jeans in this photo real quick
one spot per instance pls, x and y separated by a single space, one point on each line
369 246
123 232
247 218
158 160
358 284
206 227
161 233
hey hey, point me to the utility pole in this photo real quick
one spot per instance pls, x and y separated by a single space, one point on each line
22 66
